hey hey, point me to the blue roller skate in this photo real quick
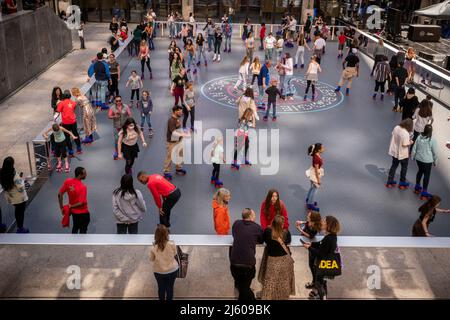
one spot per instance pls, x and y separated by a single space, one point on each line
218 184
235 166
403 185
181 172
213 180
168 176
417 189
424 195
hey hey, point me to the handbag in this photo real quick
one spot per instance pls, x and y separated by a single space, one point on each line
329 267
183 262
263 266
311 175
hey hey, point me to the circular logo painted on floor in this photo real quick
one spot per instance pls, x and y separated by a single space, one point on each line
221 91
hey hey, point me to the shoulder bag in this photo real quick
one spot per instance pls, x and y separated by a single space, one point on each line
330 266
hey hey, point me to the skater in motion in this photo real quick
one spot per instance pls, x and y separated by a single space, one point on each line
312 76
399 151
315 174
89 119
58 140
243 74
241 139
424 152
217 158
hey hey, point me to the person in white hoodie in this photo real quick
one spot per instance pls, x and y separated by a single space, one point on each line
243 73
128 206
288 87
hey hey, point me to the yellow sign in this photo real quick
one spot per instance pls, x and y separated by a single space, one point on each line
328 264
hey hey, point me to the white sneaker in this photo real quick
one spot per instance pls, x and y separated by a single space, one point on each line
215 57
218 59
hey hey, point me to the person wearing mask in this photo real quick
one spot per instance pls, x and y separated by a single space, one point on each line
15 193
424 151
382 73
379 53
69 121
88 115
322 250
145 107
289 88
127 144
272 93
399 76
271 207
399 151
114 71
409 104
277 271
427 215
78 204
309 229
118 113
128 206
100 70
160 188
165 267
315 174
349 72
174 141
263 82
221 214
246 235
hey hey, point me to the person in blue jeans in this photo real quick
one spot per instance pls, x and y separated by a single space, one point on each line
165 267
210 31
100 69
272 93
263 82
315 152
145 107
227 32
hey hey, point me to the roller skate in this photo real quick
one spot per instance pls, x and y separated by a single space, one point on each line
347 92
218 184
213 180
424 195
150 133
338 89
265 118
67 167
115 155
181 172
312 207
417 189
274 119
59 167
79 151
22 230
247 163
87 140
235 166
391 184
403 185
168 176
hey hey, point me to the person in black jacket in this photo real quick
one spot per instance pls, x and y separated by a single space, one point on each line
322 250
272 93
409 104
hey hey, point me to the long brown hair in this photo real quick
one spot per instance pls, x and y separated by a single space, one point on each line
407 124
333 225
277 227
316 221
430 205
161 237
425 109
268 202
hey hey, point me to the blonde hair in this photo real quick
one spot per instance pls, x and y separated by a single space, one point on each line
220 195
244 61
257 62
76 92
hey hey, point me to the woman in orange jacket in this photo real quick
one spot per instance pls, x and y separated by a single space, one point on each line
220 211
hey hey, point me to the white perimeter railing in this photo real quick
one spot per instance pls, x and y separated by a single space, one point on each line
211 240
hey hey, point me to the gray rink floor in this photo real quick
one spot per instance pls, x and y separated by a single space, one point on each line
355 134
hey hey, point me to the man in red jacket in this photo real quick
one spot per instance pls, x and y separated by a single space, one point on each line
161 188
69 120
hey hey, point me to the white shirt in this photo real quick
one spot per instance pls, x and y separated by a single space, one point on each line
420 123
270 42
314 68
400 137
292 25
218 151
191 19
280 44
289 67
319 44
244 69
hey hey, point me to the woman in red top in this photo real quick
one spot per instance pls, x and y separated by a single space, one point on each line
271 207
144 56
316 172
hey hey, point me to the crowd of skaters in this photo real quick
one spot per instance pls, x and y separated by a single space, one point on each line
277 276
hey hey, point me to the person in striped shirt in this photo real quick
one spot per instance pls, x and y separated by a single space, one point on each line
382 73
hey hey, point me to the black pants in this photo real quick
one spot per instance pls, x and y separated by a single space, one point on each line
80 222
20 213
399 94
425 171
72 128
145 62
123 228
169 202
82 43
216 171
136 45
133 92
254 77
217 45
114 86
313 87
311 259
321 286
379 85
404 169
186 114
166 283
243 276
245 148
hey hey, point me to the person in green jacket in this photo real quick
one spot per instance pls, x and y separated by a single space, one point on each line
137 36
424 152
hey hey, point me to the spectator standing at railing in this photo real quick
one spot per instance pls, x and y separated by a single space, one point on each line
210 31
276 273
379 53
15 193
427 215
227 30
292 28
78 204
69 121
150 33
137 37
178 23
246 235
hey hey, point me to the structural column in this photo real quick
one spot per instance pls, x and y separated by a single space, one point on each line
187 6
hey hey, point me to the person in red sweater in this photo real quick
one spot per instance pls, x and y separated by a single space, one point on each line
161 188
69 120
271 207
262 35
78 204
220 211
